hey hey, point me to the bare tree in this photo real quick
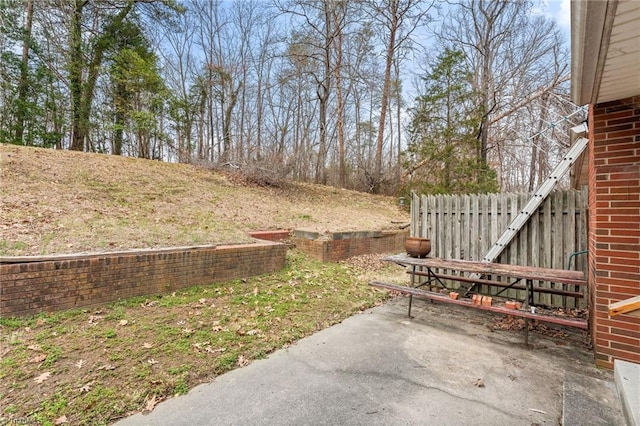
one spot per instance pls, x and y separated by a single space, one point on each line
399 18
511 52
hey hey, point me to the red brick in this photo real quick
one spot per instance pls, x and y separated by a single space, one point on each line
94 280
614 331
620 354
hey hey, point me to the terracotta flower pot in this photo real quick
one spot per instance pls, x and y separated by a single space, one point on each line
417 247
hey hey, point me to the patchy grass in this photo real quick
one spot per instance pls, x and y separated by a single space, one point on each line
96 366
55 202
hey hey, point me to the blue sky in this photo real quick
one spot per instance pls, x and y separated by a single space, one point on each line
560 11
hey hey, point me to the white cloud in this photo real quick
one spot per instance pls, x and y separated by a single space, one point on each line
563 15
558 10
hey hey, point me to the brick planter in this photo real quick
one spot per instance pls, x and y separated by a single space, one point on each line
337 246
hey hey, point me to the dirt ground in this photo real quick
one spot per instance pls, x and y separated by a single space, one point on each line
56 202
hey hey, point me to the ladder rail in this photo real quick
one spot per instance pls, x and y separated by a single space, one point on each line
531 206
536 200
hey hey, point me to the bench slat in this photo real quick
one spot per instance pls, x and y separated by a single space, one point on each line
500 284
486 268
578 323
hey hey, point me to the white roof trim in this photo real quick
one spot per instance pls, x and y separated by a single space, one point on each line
591 24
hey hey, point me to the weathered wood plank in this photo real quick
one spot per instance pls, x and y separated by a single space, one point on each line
475 229
454 229
464 227
578 323
514 271
569 214
559 199
499 284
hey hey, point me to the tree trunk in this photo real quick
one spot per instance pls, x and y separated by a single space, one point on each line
24 74
75 77
342 167
393 9
82 92
323 91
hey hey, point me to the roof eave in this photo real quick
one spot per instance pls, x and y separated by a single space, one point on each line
591 23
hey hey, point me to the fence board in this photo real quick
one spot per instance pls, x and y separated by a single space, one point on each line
465 227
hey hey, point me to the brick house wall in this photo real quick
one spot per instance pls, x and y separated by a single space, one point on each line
90 280
614 227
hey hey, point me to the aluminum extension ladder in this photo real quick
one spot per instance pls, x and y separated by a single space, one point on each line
530 208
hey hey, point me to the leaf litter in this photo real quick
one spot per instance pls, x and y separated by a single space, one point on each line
150 355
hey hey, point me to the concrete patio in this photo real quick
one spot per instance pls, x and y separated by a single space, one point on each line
446 366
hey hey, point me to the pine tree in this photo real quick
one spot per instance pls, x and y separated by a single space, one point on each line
443 152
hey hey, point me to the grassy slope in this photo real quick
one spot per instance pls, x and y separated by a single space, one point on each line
54 202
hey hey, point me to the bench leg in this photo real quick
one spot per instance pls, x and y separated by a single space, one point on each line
530 291
410 302
526 332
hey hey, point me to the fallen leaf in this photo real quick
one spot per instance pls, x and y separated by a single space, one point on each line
479 383
80 363
34 347
203 301
86 388
123 322
242 361
60 420
152 361
255 291
107 367
253 332
147 345
41 378
38 359
150 405
149 304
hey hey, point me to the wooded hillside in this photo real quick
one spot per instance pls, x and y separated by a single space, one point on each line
373 95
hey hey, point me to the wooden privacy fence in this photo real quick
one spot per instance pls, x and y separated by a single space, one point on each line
465 227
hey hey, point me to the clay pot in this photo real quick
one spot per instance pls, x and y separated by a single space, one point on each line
417 247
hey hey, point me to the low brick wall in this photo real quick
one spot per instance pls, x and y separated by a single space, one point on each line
279 235
63 282
342 245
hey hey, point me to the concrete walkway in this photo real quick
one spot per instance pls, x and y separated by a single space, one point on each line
443 367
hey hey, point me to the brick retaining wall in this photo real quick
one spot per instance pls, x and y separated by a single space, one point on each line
64 282
342 245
